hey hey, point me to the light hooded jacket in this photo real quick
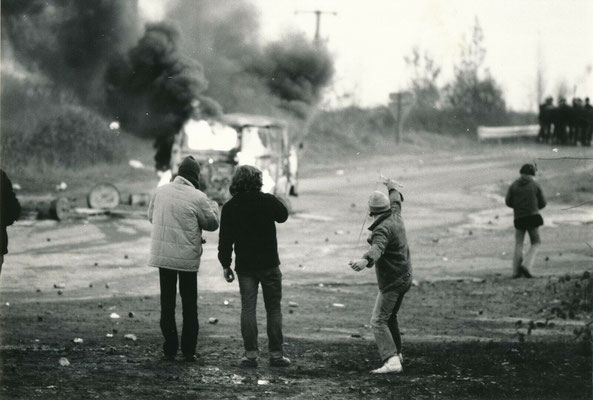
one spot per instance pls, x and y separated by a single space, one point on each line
179 212
389 250
525 197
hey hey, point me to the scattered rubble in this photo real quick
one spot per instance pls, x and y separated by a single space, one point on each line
130 336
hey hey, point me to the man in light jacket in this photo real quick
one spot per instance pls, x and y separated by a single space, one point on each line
179 212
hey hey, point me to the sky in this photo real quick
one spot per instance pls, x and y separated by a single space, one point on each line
370 38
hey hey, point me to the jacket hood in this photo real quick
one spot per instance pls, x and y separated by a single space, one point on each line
524 180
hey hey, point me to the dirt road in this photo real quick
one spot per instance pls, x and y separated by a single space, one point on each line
461 240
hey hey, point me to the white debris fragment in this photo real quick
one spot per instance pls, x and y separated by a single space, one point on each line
114 315
78 340
263 382
109 335
130 336
555 150
114 125
237 379
414 282
338 305
16 186
226 302
61 187
64 362
293 304
136 164
445 259
340 172
212 320
7 304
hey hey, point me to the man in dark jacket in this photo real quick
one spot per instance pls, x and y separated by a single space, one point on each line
390 255
526 198
10 211
247 223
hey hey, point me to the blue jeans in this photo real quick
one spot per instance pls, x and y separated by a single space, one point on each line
271 283
188 289
384 323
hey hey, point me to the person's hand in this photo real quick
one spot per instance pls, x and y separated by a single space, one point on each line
358 265
228 275
391 182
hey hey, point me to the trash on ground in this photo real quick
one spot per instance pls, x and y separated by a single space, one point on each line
293 304
414 282
114 316
226 302
130 336
263 382
61 186
338 305
59 285
64 362
135 164
78 340
340 172
212 320
109 335
237 379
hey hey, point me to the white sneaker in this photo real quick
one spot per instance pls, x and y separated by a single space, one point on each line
391 366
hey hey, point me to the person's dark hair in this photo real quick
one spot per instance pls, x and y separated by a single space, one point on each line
245 179
527 169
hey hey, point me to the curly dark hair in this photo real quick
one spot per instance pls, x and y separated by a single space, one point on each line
245 179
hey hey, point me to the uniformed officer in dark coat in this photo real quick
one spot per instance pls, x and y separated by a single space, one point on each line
561 118
545 120
588 112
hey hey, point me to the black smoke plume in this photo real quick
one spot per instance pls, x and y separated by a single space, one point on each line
70 41
295 71
154 89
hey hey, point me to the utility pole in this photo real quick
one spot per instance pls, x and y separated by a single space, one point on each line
400 105
318 14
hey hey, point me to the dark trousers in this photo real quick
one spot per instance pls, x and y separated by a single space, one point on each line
188 289
271 283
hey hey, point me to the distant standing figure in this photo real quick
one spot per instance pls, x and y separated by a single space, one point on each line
526 198
179 212
10 211
390 255
247 223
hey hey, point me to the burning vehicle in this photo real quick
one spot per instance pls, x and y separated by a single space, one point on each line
220 145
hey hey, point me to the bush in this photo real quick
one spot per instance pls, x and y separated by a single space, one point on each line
74 136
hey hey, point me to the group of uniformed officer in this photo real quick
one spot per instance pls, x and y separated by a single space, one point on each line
564 124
